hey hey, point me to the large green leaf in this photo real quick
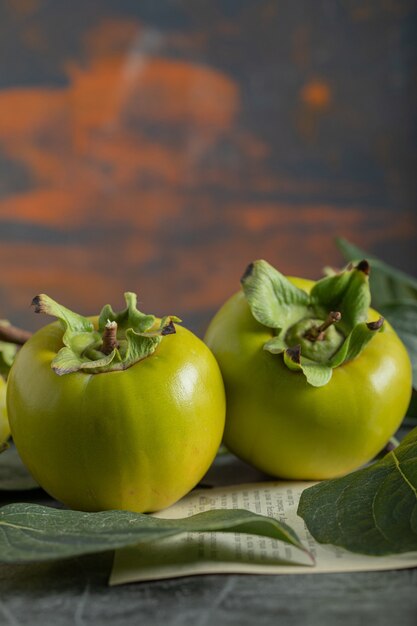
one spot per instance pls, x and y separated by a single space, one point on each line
30 532
371 511
403 316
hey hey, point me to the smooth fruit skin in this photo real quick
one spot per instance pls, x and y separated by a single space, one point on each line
4 422
137 439
285 427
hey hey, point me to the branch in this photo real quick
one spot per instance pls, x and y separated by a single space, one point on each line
12 334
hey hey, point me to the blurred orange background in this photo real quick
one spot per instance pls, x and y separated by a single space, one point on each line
161 147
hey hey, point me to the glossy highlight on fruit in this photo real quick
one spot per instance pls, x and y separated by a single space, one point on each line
283 425
137 438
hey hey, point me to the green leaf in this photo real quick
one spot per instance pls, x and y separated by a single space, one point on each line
394 294
13 474
387 283
139 346
348 293
276 345
317 374
403 317
135 335
79 335
412 409
306 321
67 361
371 511
356 341
130 317
274 301
7 353
30 532
72 322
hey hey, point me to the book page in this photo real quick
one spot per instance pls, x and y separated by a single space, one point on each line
214 553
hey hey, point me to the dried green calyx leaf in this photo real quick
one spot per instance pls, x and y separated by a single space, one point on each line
121 339
274 301
314 332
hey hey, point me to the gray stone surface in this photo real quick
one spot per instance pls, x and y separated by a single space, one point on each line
76 592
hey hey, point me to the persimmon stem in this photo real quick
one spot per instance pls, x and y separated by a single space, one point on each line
12 334
316 333
332 318
109 337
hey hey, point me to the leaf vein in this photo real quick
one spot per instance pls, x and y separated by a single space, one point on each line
20 527
404 477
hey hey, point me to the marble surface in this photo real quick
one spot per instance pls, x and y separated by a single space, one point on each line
76 592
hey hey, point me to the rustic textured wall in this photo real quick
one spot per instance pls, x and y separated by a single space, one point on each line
161 146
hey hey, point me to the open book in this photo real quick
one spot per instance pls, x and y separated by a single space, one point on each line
212 553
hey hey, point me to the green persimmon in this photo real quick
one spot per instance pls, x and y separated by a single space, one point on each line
316 381
124 411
